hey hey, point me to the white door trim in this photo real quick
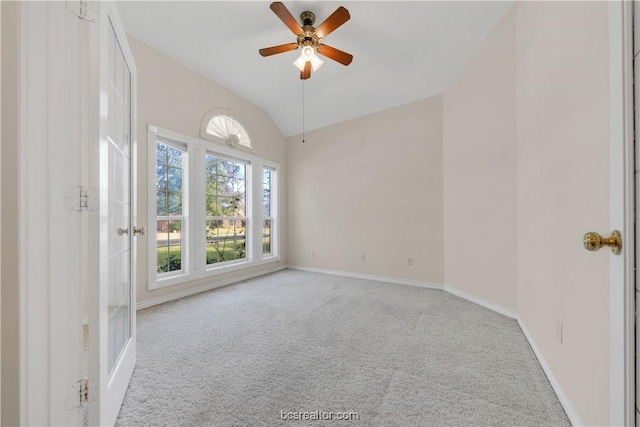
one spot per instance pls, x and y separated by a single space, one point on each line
50 276
622 323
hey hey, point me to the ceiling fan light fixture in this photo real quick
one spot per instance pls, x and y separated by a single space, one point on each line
316 63
308 39
299 63
308 54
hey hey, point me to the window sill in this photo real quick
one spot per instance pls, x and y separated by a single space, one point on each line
210 272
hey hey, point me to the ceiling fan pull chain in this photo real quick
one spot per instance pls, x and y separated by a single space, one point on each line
302 110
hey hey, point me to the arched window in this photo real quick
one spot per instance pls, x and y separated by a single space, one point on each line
219 126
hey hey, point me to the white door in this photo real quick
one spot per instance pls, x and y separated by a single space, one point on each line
112 324
622 216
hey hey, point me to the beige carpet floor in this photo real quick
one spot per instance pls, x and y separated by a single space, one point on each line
293 342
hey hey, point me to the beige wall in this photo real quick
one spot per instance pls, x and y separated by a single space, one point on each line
175 98
526 161
10 369
479 158
563 191
370 185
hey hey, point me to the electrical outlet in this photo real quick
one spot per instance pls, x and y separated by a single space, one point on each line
363 257
410 261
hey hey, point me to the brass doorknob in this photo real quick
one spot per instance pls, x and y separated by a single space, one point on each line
593 241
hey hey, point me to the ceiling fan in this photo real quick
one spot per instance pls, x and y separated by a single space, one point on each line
309 38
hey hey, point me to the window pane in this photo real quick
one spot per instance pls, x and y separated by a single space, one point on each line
175 203
225 206
169 187
266 192
174 156
225 197
225 168
161 204
161 177
266 237
162 242
226 240
162 233
241 173
161 154
267 208
175 245
162 259
174 179
210 165
267 199
175 258
169 245
239 187
240 207
210 205
213 254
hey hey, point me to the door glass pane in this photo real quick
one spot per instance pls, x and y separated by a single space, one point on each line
119 263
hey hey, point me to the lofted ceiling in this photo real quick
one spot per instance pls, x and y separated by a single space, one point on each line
403 51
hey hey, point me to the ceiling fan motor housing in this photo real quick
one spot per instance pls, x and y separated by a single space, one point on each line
308 36
307 18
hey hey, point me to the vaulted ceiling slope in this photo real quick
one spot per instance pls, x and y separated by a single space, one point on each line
403 51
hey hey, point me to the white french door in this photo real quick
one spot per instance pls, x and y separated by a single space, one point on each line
112 325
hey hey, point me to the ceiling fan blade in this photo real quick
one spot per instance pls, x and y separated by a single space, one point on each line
337 18
286 17
267 51
306 73
337 55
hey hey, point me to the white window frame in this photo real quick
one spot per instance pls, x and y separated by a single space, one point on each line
274 212
225 113
194 242
186 208
248 207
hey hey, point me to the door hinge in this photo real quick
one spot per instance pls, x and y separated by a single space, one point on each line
84 9
81 199
80 394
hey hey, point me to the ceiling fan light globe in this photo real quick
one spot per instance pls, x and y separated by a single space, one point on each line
316 63
308 52
299 63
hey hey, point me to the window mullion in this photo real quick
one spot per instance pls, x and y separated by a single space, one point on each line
258 210
198 214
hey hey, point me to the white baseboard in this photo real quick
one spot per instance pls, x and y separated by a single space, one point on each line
562 396
555 384
214 285
385 279
481 302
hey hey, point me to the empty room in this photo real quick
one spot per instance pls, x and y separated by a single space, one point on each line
245 213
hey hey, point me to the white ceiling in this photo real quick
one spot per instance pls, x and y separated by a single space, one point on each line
403 51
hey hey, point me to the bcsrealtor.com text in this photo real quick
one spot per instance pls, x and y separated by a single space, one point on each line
319 415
